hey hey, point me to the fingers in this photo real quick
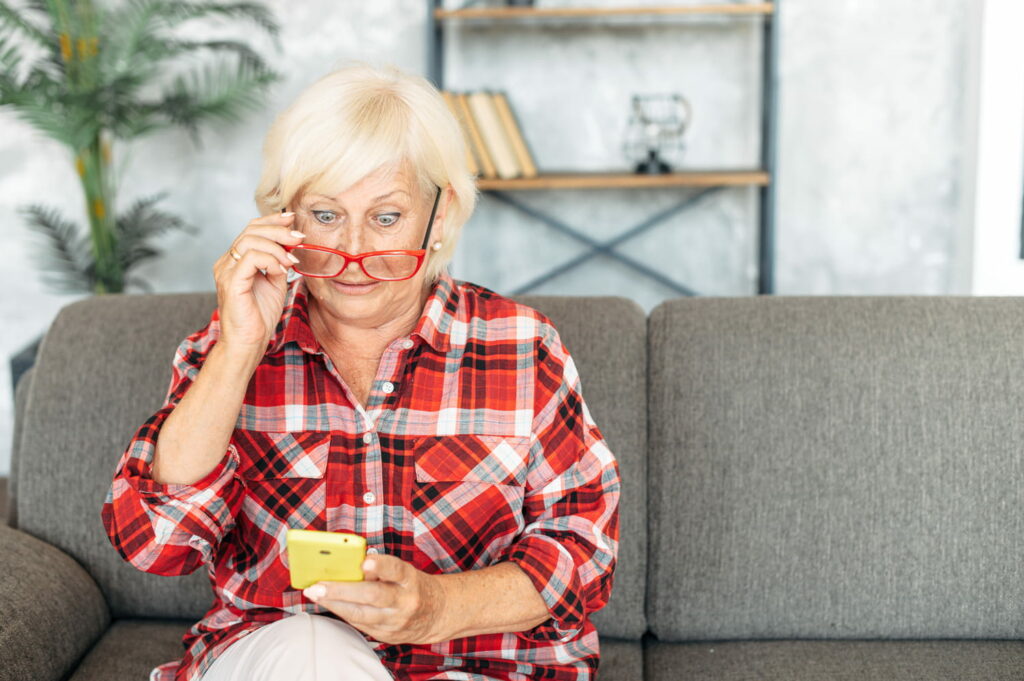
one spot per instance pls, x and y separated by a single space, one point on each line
270 234
376 594
254 260
386 569
251 242
357 613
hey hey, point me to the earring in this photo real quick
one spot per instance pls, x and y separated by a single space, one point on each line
436 246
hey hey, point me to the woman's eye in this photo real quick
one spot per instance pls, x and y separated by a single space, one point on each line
393 217
318 214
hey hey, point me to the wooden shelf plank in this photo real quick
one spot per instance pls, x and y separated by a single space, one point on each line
762 8
628 180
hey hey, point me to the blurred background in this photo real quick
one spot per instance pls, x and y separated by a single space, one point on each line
889 131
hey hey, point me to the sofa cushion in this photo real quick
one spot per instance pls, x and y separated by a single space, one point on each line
836 661
620 660
51 611
131 648
836 468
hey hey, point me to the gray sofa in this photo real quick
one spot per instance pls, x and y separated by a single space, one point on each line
814 488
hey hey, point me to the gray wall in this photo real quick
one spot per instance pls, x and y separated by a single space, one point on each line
871 142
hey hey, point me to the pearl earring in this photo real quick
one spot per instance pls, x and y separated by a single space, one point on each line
436 246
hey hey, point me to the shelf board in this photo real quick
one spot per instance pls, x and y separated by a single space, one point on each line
628 180
761 8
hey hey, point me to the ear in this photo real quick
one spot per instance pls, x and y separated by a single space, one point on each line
438 231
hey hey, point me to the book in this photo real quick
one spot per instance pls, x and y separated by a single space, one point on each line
489 171
515 136
471 162
484 111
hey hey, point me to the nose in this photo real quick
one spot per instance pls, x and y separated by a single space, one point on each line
351 240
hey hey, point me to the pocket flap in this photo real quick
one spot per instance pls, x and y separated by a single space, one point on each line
280 454
494 459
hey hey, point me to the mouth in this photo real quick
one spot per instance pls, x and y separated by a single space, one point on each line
355 288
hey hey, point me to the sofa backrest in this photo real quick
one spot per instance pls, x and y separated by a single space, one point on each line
104 367
101 371
836 467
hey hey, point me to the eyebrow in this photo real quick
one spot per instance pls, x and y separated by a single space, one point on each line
375 199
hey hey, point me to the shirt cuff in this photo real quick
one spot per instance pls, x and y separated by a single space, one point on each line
551 568
197 493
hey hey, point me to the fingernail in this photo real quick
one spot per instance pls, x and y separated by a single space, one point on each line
284 215
297 233
292 257
315 592
283 268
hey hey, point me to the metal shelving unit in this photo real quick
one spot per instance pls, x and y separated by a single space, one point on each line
708 181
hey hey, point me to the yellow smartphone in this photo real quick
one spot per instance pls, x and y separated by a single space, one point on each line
318 556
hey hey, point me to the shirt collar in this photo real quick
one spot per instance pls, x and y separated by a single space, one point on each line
434 325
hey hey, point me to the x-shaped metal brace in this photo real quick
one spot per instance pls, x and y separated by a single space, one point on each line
605 247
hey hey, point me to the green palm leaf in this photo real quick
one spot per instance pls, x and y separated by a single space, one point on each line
66 263
10 17
141 223
105 73
214 91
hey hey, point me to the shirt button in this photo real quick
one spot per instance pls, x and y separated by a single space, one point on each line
407 343
369 497
367 438
371 549
388 387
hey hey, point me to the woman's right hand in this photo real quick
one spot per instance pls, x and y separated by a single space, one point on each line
250 301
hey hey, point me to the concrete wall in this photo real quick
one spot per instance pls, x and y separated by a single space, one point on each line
871 144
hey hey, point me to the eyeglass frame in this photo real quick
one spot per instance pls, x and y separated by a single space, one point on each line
419 253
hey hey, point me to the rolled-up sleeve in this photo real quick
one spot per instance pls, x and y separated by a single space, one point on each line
569 544
171 529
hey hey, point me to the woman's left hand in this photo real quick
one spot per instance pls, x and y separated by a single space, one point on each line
395 602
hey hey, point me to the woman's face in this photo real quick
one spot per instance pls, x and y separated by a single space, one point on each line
378 213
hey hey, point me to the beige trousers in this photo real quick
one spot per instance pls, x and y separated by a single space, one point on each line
301 647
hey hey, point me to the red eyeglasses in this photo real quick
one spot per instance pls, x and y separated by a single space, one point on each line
394 265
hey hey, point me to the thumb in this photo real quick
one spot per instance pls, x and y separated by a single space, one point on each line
384 568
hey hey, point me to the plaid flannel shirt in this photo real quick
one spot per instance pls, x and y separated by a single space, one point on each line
475 447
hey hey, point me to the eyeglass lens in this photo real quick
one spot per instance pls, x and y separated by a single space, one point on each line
319 263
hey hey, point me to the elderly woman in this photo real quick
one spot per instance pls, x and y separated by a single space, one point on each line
346 382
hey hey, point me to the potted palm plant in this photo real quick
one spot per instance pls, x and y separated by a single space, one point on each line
91 75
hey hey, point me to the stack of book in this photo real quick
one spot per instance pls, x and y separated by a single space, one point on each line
494 144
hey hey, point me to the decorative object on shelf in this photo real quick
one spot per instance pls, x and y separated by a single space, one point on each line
86 73
656 128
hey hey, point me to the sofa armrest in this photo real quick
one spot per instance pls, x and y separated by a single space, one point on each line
52 610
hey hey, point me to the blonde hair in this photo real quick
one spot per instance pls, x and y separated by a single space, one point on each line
356 119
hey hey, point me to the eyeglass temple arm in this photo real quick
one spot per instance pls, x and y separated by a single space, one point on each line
430 223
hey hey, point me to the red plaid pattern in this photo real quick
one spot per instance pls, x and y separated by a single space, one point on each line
475 446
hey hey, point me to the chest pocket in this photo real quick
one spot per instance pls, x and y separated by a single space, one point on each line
267 455
467 501
493 459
